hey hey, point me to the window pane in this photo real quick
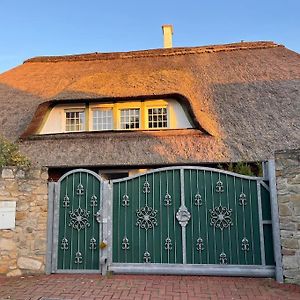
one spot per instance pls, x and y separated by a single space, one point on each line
102 119
75 121
157 117
130 118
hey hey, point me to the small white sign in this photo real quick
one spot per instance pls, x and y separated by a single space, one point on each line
7 214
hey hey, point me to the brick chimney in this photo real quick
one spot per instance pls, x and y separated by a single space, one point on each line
168 35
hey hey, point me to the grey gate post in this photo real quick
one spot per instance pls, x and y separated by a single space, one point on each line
275 221
109 201
51 195
105 259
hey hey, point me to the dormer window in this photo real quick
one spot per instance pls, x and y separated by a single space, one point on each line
75 120
113 116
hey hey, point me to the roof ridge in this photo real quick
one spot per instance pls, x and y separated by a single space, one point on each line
156 52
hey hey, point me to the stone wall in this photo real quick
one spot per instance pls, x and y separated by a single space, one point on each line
288 189
23 249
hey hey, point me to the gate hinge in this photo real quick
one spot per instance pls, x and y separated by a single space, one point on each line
98 215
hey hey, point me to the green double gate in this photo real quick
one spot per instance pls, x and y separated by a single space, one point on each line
192 219
180 220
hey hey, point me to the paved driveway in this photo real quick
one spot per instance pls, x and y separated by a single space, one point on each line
56 286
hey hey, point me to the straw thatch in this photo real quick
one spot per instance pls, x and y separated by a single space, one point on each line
244 98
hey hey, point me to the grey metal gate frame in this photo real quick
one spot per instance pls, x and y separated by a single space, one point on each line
106 262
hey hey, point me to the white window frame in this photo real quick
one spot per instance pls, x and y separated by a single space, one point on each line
147 118
137 113
156 104
127 105
70 110
101 107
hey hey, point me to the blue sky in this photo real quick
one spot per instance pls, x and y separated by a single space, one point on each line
32 28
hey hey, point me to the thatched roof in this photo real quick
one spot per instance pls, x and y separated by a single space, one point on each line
245 99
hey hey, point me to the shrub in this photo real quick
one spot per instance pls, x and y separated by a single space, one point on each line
250 169
10 155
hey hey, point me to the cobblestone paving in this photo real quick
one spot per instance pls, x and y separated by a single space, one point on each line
56 287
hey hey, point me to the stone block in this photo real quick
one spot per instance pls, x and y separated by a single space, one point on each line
13 254
25 187
284 198
290 262
40 243
20 174
41 190
7 173
44 175
4 193
7 244
295 179
17 194
292 273
13 266
285 210
281 184
286 225
21 215
296 219
13 273
28 263
35 173
22 206
290 243
297 211
8 233
294 189
295 199
285 251
3 269
11 185
286 234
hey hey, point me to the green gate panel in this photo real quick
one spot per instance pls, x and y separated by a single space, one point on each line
145 228
192 215
224 228
79 232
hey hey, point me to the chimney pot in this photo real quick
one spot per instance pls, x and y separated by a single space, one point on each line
168 35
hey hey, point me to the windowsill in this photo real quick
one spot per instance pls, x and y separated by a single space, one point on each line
118 130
